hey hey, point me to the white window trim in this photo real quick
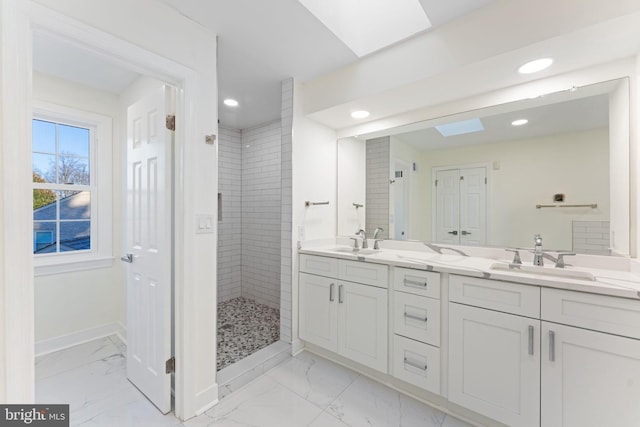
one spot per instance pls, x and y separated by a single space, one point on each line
101 253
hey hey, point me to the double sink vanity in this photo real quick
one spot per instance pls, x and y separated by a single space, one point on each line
472 333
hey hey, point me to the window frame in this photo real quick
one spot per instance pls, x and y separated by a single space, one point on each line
100 255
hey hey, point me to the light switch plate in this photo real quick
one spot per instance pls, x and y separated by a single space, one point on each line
204 224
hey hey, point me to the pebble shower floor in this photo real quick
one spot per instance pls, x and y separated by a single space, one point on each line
244 327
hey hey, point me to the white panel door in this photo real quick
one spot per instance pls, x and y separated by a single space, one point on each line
448 206
473 209
494 364
318 310
589 378
363 324
149 244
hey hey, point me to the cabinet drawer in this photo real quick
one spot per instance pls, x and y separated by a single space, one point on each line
598 312
361 272
416 282
416 363
320 265
496 295
417 317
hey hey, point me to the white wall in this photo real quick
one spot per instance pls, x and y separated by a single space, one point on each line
73 302
530 172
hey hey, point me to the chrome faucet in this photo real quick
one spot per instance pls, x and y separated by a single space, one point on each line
362 234
538 258
376 241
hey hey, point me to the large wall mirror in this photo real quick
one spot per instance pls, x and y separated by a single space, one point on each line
484 178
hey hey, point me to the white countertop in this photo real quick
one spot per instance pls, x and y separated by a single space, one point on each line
613 276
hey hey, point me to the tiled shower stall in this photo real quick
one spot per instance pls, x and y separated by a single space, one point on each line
254 233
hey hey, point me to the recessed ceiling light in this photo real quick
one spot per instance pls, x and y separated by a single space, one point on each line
360 114
535 66
519 122
230 102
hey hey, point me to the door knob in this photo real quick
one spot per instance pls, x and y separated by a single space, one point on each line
455 232
127 258
465 233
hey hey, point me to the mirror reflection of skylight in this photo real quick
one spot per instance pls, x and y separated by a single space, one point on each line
369 25
460 128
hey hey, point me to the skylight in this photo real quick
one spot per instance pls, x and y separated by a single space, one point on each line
460 128
369 25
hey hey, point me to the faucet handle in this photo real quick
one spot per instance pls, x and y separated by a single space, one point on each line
516 256
560 262
355 243
376 243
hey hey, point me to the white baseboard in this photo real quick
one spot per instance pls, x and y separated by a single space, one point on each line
65 341
206 399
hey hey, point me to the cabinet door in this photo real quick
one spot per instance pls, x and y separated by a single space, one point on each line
362 323
494 364
589 378
318 299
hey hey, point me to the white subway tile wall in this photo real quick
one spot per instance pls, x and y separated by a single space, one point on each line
591 237
261 213
230 228
286 264
377 179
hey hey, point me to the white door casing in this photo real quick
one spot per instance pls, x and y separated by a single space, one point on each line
149 241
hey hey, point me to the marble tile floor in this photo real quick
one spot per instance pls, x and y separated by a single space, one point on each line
244 327
305 390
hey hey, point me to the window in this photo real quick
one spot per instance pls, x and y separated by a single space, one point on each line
71 200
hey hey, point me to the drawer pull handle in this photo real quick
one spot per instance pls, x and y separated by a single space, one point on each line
530 340
417 365
414 317
331 289
552 346
415 283
340 294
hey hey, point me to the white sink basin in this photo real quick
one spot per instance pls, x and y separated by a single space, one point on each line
344 249
545 271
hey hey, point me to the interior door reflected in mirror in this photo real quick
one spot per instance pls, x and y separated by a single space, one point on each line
491 177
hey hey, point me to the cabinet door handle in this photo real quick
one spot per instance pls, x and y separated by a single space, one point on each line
552 346
530 340
331 288
340 294
414 317
414 283
421 366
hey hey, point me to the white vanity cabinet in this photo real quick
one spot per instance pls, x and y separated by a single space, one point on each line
589 377
416 328
494 356
348 317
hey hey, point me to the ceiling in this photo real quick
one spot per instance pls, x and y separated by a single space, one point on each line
260 44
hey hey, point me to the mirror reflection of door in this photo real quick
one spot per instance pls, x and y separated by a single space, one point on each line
399 195
461 206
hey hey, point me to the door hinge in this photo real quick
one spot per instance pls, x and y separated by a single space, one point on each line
485 179
436 182
170 365
461 178
171 122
